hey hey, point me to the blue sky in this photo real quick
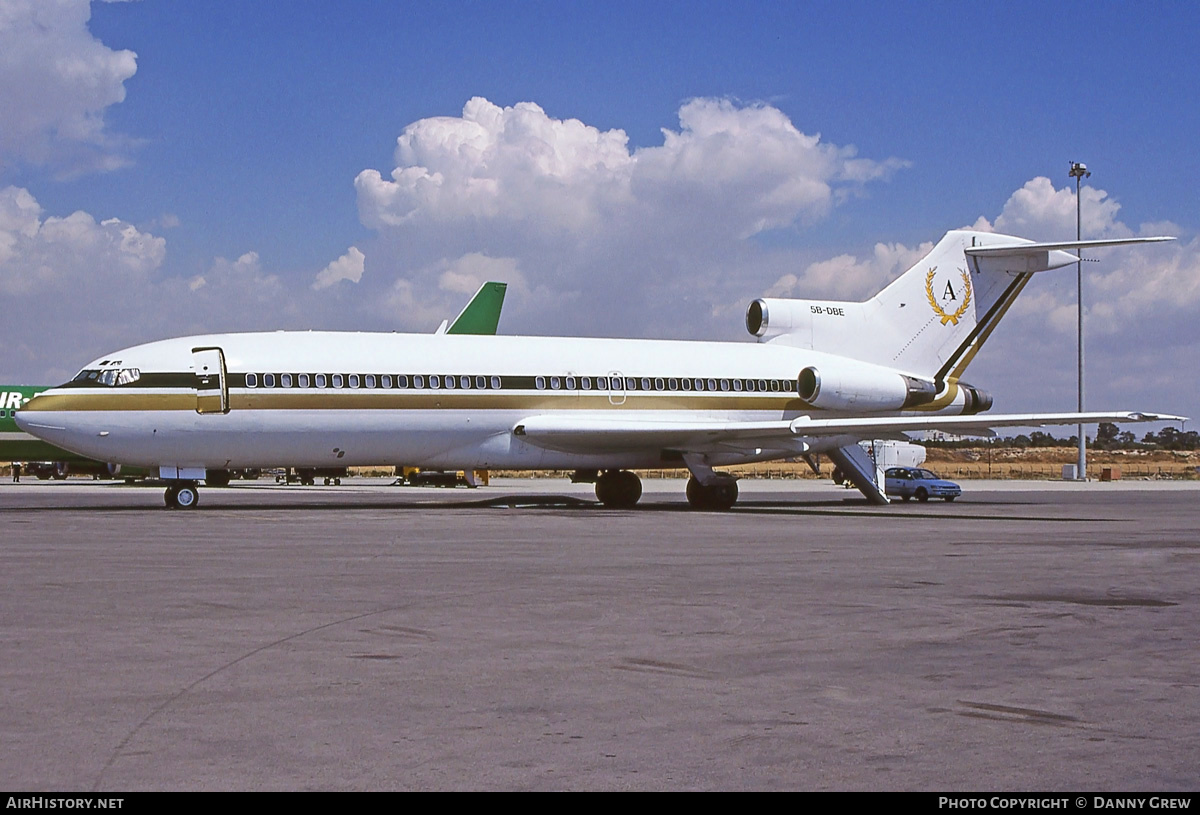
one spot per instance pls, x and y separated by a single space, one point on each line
230 168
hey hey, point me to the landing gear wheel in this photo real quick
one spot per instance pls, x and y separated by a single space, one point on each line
922 495
618 489
720 495
182 496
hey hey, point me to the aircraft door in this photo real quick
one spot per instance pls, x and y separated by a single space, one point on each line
212 387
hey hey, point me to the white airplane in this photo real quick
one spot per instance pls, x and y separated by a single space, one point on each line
823 376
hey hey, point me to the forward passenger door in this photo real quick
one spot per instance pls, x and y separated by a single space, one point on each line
212 388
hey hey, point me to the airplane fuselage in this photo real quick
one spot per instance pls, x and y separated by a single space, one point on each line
344 399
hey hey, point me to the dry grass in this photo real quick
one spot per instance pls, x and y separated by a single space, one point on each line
1037 464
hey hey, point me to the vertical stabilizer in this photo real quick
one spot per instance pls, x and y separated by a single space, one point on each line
930 321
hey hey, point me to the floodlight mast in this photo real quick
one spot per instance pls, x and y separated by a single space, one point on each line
1079 171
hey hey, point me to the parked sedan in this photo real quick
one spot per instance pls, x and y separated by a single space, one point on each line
914 482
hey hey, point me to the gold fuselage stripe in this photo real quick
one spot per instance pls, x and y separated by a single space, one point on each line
393 400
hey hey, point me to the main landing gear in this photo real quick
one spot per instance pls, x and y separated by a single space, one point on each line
618 489
621 489
184 495
721 493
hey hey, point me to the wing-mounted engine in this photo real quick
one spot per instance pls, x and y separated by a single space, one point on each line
849 385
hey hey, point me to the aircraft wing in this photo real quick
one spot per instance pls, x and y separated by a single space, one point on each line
590 434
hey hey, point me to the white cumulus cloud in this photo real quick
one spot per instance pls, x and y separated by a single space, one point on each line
56 81
653 233
348 267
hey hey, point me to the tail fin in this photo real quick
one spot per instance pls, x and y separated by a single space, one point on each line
932 320
482 314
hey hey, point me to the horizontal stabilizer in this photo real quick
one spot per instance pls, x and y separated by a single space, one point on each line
1008 250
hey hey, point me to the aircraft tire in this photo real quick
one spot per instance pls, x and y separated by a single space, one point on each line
618 489
169 496
186 497
720 496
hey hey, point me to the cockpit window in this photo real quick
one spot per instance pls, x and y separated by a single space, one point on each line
111 377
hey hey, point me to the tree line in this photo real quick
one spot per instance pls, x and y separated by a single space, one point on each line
1108 437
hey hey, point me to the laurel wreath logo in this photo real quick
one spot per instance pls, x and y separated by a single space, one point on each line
937 309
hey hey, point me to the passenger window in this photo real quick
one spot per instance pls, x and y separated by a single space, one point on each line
302 380
434 381
586 382
602 383
337 380
285 380
673 384
354 381
481 382
737 384
402 381
687 384
370 380
496 383
449 382
630 384
659 384
385 381
464 382
699 384
762 384
251 380
555 383
418 381
645 383
570 383
540 383
269 380
724 384
320 380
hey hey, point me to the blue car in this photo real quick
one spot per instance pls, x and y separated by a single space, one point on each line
913 482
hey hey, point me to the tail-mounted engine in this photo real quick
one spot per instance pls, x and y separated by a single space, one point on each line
861 386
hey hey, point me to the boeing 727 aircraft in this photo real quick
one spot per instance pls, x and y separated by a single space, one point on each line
822 376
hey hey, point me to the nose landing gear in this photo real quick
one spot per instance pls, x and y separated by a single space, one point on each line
184 495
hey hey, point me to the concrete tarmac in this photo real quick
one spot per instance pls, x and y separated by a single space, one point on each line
1025 637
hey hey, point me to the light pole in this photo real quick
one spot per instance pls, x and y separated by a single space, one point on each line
1079 172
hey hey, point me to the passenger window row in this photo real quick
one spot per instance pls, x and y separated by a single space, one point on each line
372 381
553 383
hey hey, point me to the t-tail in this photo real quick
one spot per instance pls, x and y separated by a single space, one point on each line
930 322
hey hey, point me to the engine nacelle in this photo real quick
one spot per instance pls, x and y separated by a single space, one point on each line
853 385
974 399
771 317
